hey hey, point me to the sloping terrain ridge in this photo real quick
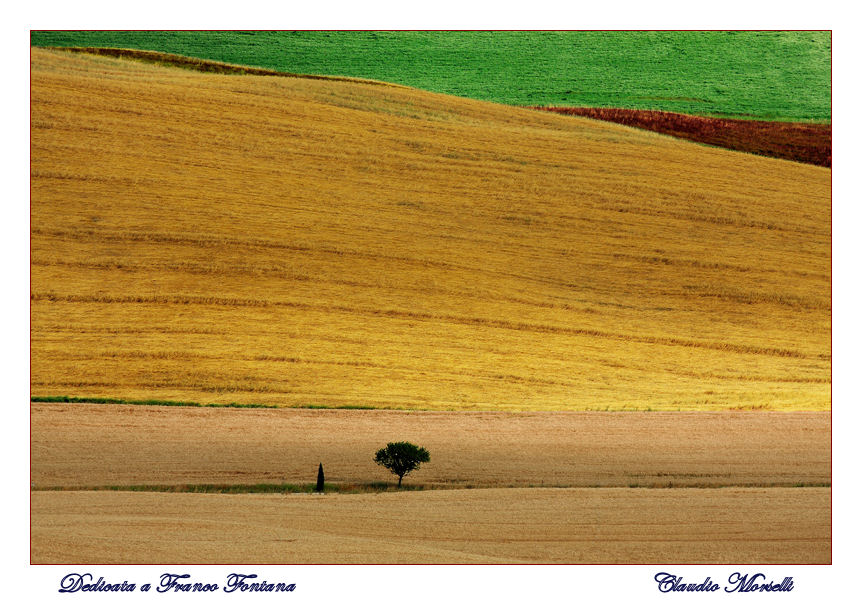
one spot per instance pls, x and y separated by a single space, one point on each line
304 242
772 75
803 142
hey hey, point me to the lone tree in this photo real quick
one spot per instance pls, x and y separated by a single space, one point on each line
401 458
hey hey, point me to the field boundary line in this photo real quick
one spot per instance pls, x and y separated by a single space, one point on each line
380 486
206 65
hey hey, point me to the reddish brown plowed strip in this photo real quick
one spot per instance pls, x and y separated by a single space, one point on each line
802 142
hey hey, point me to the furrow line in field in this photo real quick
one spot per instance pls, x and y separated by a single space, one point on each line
159 237
697 264
169 355
284 273
209 242
454 319
745 297
208 387
198 356
711 219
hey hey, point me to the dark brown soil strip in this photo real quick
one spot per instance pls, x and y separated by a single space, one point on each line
809 143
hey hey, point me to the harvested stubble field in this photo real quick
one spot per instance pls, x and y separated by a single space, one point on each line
289 241
92 445
616 526
96 445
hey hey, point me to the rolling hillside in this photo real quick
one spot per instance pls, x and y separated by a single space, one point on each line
301 242
774 75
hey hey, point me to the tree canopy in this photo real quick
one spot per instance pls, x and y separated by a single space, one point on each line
401 458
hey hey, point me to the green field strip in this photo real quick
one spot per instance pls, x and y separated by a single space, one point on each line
769 75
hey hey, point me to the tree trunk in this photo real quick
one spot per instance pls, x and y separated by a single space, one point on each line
400 477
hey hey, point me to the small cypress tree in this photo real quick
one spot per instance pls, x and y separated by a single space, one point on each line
320 479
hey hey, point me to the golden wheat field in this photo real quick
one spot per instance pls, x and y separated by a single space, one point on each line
297 242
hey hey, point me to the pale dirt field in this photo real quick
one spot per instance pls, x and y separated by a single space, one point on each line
92 445
619 525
